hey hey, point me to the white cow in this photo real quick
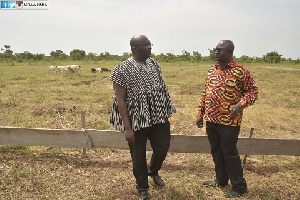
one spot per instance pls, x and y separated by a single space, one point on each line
63 68
67 68
74 68
52 68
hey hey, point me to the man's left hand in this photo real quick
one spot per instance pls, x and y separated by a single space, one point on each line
235 111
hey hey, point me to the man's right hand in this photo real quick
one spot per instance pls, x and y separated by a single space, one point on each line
199 122
130 136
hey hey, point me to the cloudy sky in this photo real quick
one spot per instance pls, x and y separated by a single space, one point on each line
255 26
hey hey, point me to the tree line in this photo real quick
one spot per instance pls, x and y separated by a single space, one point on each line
7 54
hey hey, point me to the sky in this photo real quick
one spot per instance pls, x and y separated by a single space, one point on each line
256 27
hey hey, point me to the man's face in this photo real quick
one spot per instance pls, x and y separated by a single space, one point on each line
222 52
143 48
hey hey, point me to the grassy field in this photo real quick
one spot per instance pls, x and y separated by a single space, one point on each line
32 97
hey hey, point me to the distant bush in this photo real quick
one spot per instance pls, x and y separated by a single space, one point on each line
76 54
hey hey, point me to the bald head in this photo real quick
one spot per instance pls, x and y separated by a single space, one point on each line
138 40
224 52
140 48
227 44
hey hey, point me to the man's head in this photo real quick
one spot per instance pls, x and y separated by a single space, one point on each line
140 47
224 51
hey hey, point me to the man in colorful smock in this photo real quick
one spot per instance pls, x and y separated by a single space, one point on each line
141 110
229 88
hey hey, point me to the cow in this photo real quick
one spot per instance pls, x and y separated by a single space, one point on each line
94 70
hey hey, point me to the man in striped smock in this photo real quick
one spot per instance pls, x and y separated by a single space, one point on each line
229 88
141 110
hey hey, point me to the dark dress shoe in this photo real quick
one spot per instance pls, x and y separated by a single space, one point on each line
158 181
234 194
213 183
144 195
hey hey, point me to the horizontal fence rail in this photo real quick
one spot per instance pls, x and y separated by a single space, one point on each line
90 138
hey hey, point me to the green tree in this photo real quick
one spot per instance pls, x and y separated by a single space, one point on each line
106 56
77 54
161 57
186 56
8 53
246 59
272 57
125 56
170 57
24 56
211 54
58 54
92 56
197 56
38 56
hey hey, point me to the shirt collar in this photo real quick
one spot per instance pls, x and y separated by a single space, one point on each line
231 64
147 61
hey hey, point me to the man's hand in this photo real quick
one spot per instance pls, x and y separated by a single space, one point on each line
199 122
130 136
235 111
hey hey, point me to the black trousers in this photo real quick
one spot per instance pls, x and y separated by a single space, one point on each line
159 136
223 140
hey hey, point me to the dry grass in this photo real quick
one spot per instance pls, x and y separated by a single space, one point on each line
32 97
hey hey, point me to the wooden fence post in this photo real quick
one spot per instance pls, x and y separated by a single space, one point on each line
83 128
250 136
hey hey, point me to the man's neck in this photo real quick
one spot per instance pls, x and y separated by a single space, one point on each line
224 63
138 60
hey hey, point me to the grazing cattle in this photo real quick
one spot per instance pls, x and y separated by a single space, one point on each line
68 68
74 68
63 68
52 68
94 70
105 70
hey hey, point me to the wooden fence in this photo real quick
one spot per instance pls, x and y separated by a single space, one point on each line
89 138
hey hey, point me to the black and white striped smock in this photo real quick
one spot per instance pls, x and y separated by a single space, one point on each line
148 100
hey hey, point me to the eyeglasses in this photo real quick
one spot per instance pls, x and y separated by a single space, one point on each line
145 45
219 50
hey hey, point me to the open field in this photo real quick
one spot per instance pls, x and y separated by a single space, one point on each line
32 97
